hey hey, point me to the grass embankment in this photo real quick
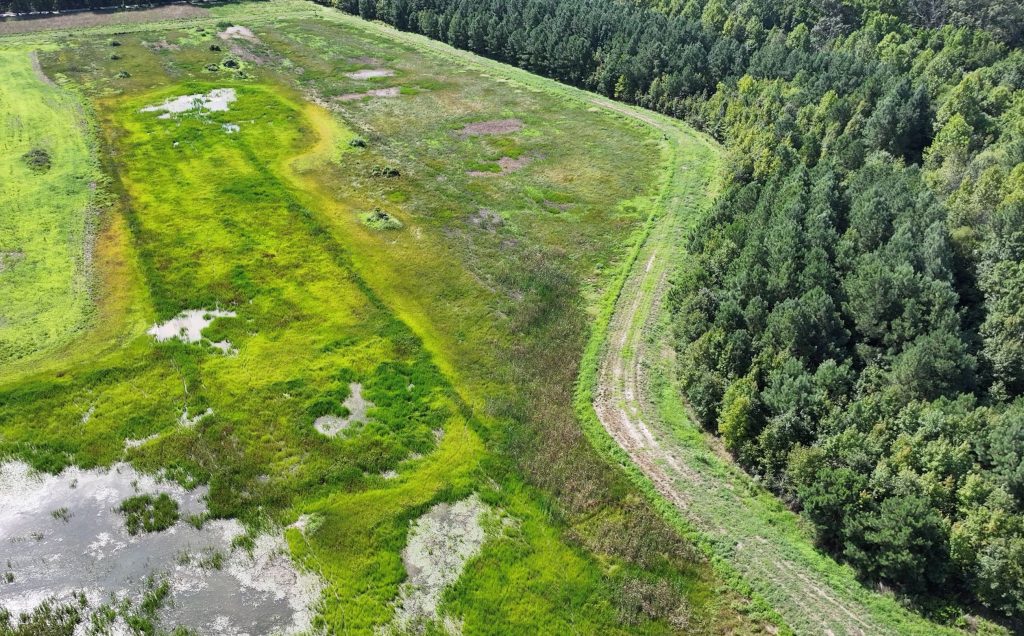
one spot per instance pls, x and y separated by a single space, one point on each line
48 176
462 321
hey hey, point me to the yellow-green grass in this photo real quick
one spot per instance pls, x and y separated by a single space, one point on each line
487 323
44 247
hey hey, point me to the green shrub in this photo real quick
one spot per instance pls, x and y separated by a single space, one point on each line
38 160
386 172
381 220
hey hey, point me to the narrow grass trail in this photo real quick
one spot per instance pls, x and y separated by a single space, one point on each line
743 526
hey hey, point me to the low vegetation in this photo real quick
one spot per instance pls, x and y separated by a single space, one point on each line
464 338
47 164
381 220
149 513
846 317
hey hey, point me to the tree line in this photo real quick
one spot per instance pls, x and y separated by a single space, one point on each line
850 317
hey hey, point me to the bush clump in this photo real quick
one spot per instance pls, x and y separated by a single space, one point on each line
381 220
146 513
386 172
37 159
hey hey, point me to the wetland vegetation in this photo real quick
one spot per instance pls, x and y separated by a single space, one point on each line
251 249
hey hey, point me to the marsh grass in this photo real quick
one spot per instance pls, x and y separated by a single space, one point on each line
149 513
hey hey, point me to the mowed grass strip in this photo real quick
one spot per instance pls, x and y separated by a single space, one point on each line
48 176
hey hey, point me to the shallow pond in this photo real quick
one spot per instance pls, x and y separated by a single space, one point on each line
63 534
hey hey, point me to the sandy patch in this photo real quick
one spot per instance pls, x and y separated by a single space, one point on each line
439 545
88 549
492 127
238 33
392 91
357 406
217 100
188 327
370 73
506 165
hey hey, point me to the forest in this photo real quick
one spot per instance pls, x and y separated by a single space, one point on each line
850 317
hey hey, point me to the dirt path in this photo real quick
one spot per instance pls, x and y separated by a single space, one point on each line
768 545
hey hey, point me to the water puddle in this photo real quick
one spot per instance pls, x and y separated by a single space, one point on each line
62 535
357 406
439 545
217 100
188 327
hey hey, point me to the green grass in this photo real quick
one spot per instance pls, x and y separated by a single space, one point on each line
48 174
448 324
146 513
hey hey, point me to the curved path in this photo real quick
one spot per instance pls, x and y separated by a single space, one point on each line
639 407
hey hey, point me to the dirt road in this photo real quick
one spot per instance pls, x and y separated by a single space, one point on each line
639 407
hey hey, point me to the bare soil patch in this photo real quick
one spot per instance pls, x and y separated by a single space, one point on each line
36 67
507 165
7 259
487 219
391 91
370 73
492 127
85 19
162 45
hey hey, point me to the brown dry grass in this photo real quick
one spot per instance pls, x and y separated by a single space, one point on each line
100 18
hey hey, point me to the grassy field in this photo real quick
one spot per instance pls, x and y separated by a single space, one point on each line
48 175
519 203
